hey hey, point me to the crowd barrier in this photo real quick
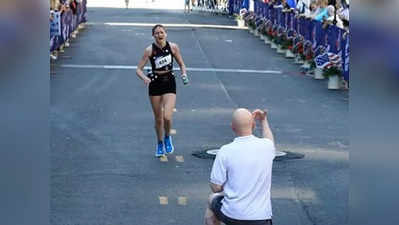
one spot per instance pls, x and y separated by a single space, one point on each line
63 25
332 39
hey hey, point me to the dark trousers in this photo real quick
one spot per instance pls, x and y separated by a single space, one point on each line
216 205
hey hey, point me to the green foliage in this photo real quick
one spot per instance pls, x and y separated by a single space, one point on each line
278 39
312 64
238 17
286 43
332 71
251 23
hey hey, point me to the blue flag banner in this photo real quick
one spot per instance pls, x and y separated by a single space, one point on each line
265 11
314 37
301 26
319 32
306 31
327 60
310 29
284 20
298 26
345 60
234 6
322 60
291 21
245 4
278 14
334 39
55 24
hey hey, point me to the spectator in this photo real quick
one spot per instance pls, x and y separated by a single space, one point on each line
53 4
286 5
303 7
314 8
241 174
276 3
332 18
342 10
187 6
291 3
322 13
73 5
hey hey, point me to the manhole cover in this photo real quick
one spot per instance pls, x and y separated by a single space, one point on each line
288 155
280 155
212 151
208 153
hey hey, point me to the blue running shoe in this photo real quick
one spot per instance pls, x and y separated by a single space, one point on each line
168 145
159 151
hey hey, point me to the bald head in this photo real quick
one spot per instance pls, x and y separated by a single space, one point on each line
242 122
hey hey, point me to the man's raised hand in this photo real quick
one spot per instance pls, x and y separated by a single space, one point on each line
259 114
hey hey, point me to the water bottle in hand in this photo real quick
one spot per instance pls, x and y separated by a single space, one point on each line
184 78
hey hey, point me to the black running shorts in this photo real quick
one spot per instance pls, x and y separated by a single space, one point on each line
162 84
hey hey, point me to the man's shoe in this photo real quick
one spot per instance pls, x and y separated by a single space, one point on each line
159 152
168 145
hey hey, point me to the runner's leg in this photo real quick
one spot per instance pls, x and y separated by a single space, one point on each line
169 102
156 103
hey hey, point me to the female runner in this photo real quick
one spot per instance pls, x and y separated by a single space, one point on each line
162 85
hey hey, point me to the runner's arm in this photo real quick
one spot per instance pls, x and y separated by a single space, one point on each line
178 57
140 66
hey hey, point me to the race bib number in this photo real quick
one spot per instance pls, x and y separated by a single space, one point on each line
163 61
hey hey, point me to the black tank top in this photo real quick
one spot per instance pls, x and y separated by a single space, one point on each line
161 59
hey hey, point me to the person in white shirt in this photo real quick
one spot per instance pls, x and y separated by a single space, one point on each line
331 17
342 10
303 7
241 174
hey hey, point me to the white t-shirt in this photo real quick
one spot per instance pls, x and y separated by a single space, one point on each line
303 6
244 168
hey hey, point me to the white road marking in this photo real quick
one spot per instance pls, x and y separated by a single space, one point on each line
122 67
180 158
186 25
181 200
163 200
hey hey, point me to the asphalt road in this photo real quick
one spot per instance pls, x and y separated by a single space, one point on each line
103 169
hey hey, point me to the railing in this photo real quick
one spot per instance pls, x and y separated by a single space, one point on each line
332 39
